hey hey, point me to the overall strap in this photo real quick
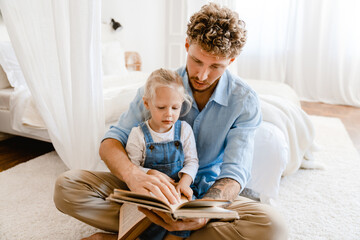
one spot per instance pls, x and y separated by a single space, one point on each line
177 130
145 129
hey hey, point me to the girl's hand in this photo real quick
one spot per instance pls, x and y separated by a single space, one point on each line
183 187
184 190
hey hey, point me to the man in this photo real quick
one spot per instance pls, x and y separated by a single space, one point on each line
224 117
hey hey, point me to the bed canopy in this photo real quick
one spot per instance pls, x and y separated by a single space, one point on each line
57 44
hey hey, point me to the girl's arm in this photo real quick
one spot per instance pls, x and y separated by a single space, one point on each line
191 161
135 148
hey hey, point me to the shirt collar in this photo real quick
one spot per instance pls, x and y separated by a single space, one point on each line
221 93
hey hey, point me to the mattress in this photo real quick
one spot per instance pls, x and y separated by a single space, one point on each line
118 92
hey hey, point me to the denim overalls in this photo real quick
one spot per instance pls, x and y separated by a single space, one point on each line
168 158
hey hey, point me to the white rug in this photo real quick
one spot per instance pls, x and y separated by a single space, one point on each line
325 204
27 210
318 204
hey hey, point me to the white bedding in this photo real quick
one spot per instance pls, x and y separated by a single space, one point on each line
5 98
284 142
118 93
280 106
294 123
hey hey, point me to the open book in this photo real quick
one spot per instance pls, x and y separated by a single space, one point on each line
133 222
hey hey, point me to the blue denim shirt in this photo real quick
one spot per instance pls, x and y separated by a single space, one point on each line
224 130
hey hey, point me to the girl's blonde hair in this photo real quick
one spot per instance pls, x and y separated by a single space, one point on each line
171 79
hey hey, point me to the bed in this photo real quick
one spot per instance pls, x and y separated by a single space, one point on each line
282 143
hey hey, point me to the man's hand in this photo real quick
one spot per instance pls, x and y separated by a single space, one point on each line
165 221
114 155
153 183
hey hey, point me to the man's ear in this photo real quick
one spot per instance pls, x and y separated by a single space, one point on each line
231 60
187 44
146 103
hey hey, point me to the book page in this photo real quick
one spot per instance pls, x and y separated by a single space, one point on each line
119 193
175 206
205 212
139 198
139 202
129 217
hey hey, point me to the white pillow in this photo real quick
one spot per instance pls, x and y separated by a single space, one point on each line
4 82
10 65
113 59
279 89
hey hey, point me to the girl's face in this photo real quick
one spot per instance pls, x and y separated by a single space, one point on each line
164 107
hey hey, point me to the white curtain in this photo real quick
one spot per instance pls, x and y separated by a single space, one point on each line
57 44
311 45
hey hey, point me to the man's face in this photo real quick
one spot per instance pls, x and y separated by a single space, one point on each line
203 68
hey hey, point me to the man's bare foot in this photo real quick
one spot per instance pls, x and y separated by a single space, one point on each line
102 236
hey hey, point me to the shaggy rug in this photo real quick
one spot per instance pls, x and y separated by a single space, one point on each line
317 204
325 204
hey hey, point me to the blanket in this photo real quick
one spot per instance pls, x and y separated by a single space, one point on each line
296 126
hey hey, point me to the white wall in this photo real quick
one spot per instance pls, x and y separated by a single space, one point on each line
143 29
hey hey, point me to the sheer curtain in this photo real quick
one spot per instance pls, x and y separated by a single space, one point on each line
57 44
311 45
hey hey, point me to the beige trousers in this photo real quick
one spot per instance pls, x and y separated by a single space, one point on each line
81 194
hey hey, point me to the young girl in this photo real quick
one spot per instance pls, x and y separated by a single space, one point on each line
163 142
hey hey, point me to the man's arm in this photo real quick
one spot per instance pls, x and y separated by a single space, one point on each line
224 188
238 153
114 155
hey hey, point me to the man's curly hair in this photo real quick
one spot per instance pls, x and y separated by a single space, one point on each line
217 30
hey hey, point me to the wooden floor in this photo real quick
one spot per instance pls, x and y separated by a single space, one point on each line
16 150
350 117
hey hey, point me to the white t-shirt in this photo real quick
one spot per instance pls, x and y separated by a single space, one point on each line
136 150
